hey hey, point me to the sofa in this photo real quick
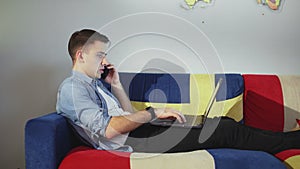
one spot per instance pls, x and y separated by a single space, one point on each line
270 102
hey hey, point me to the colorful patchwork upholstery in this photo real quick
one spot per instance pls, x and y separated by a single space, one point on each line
83 157
189 93
291 158
272 102
266 101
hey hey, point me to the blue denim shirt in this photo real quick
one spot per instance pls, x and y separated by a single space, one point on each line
79 100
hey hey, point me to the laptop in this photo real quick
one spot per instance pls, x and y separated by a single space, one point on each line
192 121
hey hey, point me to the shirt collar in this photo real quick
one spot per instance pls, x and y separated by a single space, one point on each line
82 76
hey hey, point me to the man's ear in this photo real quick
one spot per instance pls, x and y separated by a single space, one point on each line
79 56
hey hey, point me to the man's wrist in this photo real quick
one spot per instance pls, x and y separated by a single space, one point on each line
117 84
152 112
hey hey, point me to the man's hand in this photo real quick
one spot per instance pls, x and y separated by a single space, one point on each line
163 113
113 75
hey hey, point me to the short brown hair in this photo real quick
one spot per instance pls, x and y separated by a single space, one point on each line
84 37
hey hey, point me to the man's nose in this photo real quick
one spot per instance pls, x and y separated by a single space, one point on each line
104 61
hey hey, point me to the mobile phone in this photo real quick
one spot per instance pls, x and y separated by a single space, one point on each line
105 72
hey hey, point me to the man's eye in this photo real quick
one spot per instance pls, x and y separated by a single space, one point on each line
101 54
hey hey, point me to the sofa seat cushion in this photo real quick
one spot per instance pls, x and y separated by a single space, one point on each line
84 157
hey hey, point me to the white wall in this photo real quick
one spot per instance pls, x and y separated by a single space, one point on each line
34 59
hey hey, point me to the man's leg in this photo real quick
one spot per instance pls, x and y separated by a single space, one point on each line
228 134
157 139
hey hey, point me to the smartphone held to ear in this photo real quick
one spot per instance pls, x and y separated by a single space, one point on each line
105 72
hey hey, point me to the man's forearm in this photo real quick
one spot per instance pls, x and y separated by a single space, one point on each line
119 92
124 124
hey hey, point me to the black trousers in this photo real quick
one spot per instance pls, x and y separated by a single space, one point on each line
216 133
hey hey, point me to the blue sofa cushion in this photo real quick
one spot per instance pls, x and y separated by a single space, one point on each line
245 159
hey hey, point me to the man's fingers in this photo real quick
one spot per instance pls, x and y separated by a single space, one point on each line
168 112
110 66
179 118
178 115
182 117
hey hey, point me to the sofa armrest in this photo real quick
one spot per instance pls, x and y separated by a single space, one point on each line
47 140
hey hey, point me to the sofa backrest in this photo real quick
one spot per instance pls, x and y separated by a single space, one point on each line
271 102
189 93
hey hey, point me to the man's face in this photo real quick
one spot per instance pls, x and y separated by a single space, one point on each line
94 59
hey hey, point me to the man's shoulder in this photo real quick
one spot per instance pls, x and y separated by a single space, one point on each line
73 85
72 82
66 83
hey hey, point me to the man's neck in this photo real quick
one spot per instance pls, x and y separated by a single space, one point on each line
78 69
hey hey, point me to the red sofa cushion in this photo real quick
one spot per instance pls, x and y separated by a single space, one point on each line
105 159
263 102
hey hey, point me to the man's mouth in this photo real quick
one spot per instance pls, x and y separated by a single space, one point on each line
101 70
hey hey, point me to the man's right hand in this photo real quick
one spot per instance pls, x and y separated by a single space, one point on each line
163 113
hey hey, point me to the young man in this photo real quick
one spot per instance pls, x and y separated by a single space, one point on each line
106 119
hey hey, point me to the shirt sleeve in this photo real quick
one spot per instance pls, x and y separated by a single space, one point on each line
77 102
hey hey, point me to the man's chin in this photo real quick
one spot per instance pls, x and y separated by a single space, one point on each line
96 76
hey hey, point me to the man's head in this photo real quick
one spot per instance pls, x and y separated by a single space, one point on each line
87 50
82 38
